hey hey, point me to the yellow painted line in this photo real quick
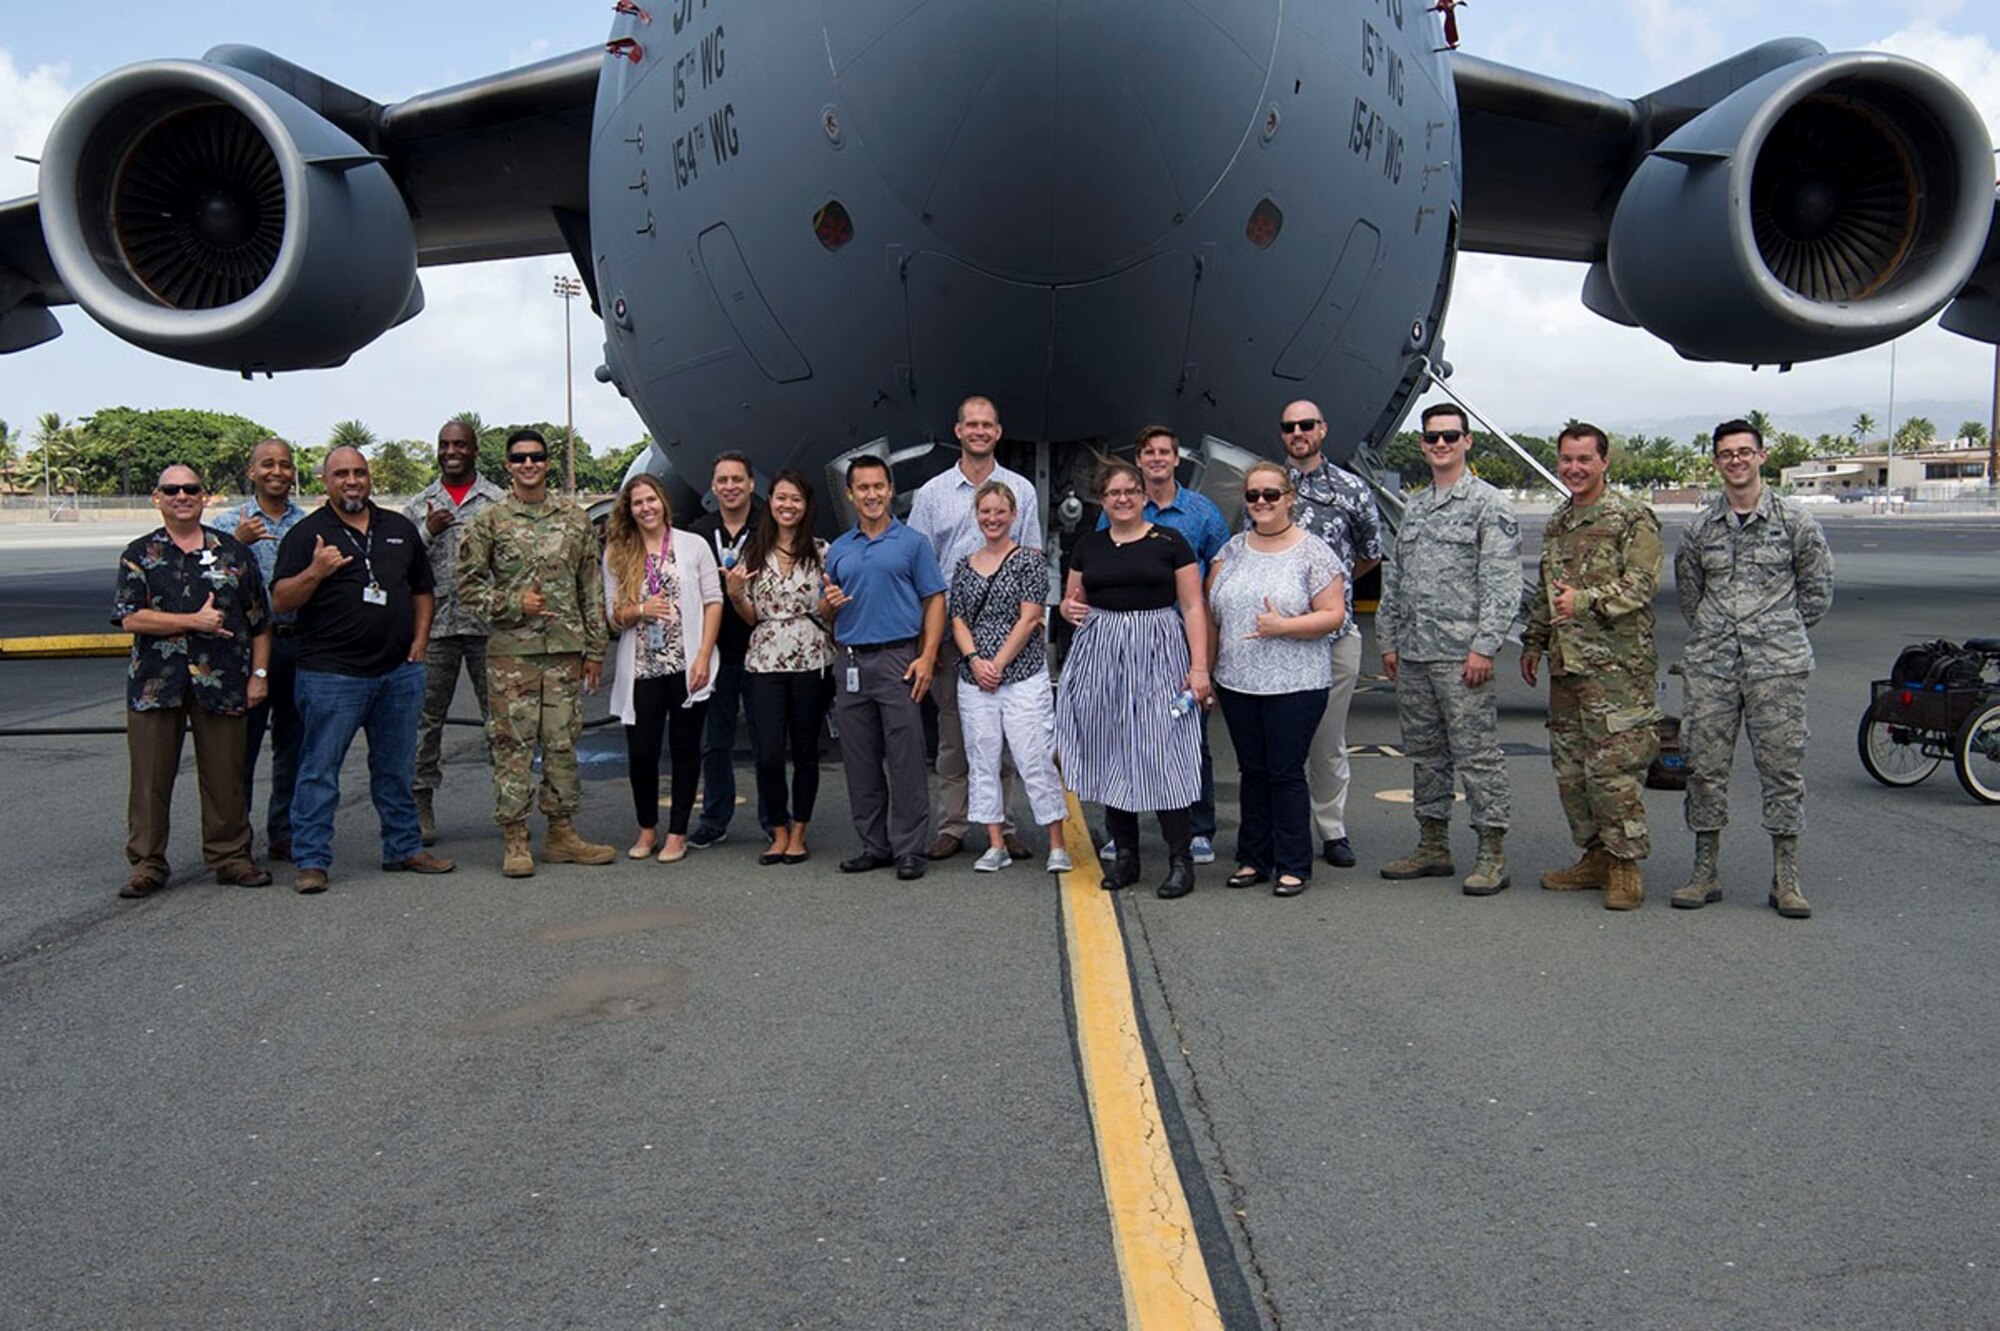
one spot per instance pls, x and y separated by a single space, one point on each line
1159 1256
66 645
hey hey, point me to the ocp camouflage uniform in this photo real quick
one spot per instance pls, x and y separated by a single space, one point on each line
1603 726
1452 585
534 664
1749 589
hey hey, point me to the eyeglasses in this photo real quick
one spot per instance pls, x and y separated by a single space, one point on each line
191 489
527 457
1298 427
1123 494
1730 455
1263 496
1443 436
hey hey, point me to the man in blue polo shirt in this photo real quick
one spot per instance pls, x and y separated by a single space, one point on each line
886 596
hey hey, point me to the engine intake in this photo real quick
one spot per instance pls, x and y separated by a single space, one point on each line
1828 206
205 214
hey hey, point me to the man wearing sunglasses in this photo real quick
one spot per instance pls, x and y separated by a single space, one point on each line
1450 591
193 601
1753 573
529 568
1335 505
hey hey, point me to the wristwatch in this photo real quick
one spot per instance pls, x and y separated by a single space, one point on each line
260 673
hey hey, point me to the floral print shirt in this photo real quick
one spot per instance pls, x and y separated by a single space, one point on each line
786 637
662 645
155 574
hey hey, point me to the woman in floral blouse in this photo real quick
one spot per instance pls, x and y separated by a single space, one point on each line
778 588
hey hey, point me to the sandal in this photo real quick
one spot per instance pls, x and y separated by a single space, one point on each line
1244 878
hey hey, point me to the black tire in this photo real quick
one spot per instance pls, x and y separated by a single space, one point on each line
1976 754
1891 761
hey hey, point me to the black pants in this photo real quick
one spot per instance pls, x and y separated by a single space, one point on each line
1175 826
787 708
656 707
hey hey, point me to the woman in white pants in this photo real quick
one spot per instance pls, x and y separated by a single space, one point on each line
1004 698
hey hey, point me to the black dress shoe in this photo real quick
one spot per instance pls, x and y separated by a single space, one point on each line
864 863
1338 853
1245 877
911 867
1281 888
1180 878
771 857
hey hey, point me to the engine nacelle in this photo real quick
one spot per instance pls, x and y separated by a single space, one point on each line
206 215
1828 206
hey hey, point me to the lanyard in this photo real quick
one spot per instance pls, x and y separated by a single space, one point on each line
363 545
728 552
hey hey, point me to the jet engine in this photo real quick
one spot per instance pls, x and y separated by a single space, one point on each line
207 215
1829 205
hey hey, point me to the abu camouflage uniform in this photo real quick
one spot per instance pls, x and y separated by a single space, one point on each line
1749 588
1452 585
534 663
1603 726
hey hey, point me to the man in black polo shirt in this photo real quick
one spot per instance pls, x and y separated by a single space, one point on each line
361 583
727 531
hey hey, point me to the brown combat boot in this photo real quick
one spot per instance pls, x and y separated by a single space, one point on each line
1627 886
1489 871
563 846
1705 883
1591 871
518 861
1431 858
427 823
1786 898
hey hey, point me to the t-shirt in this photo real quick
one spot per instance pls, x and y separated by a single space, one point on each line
338 631
1022 576
1138 575
1245 582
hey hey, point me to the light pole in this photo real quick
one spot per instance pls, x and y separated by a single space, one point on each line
569 288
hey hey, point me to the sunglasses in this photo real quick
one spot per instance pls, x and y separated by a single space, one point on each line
1298 427
527 457
1263 496
1443 436
171 490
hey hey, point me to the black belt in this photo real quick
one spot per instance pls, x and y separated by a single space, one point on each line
861 647
285 630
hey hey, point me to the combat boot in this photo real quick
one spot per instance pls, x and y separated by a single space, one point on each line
518 860
1627 885
427 824
1593 870
1431 858
563 846
1786 898
1705 883
1489 871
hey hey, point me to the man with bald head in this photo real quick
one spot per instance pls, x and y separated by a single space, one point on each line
261 522
193 601
1335 505
358 579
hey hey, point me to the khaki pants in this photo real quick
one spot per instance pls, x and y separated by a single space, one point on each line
153 743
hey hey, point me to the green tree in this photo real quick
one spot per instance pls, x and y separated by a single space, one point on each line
1787 450
1973 432
350 434
52 463
1864 425
401 467
10 455
124 449
1914 433
1761 423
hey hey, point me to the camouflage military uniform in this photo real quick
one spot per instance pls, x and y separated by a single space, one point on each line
1602 660
1750 589
1452 585
534 664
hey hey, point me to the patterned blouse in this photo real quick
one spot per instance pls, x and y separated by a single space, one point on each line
1022 576
786 637
155 574
1289 579
661 648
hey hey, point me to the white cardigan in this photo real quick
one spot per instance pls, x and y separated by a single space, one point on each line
691 553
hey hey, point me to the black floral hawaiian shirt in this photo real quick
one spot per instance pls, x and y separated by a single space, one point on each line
155 574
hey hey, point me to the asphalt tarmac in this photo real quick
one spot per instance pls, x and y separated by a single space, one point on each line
717 1095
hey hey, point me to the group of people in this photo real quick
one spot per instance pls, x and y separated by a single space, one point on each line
310 627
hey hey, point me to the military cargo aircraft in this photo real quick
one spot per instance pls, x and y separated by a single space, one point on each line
810 229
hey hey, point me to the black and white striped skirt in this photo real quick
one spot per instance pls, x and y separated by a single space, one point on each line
1117 740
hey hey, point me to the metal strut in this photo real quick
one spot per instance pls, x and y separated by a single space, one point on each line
1535 463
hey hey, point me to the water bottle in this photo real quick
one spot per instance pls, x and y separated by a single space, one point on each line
1182 705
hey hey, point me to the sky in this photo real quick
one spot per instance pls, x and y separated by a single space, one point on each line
1525 351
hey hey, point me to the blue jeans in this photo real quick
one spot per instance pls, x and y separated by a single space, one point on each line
332 708
1271 733
718 747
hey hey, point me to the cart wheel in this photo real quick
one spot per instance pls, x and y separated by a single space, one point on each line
1894 755
1977 754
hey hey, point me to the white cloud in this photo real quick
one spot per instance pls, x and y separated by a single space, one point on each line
1677 37
29 101
1967 59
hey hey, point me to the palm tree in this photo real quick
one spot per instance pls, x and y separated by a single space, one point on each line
1760 422
10 456
1973 432
350 434
1915 433
54 441
1864 425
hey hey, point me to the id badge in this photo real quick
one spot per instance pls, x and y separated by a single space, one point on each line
854 679
374 595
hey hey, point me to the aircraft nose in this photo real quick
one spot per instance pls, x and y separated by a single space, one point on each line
1052 139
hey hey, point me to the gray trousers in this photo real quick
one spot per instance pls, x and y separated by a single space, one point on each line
442 658
1772 712
882 750
1447 729
1327 768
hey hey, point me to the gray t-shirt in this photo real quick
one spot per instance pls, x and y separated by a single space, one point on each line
1289 579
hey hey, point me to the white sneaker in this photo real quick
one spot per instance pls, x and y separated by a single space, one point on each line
1059 861
1108 851
993 861
1202 850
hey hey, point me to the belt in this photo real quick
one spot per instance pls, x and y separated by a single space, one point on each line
863 647
285 630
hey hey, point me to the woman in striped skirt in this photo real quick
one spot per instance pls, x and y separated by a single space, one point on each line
1128 728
